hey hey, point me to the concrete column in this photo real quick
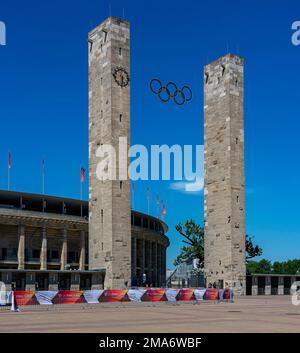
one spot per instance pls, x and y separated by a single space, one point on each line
43 255
254 288
143 259
7 279
82 251
21 248
293 279
53 281
164 265
64 250
30 282
268 285
133 257
156 265
75 281
150 264
162 275
280 285
97 281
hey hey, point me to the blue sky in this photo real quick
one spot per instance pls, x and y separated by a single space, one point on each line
44 107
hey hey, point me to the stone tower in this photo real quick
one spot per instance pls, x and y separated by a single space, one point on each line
224 214
109 120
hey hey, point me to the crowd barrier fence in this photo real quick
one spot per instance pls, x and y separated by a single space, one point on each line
109 296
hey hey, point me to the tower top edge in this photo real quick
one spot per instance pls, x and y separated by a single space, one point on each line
111 20
227 57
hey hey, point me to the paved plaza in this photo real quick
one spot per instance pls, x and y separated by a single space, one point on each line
246 314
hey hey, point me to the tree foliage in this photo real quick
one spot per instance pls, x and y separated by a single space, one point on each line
289 267
251 249
262 266
193 235
193 238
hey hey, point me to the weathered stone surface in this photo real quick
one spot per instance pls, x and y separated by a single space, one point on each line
109 119
224 172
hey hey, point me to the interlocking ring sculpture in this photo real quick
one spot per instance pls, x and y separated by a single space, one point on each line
171 91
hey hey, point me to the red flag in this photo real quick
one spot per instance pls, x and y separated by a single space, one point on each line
9 160
163 210
82 175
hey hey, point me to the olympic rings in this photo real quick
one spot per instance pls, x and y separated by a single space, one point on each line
165 93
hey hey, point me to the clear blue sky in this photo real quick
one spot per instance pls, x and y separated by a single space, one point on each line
44 108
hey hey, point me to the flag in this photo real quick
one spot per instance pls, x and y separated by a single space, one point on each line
82 175
8 170
9 160
157 200
163 210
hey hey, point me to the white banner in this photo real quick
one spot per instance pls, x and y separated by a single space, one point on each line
45 297
171 294
199 293
5 297
135 295
92 296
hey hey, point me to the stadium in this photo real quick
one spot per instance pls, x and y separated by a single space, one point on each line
44 245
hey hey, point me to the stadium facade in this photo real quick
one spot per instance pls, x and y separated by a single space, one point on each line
44 245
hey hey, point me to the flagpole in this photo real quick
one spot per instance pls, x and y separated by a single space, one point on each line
81 182
43 177
133 195
81 199
163 211
82 177
8 182
8 171
148 200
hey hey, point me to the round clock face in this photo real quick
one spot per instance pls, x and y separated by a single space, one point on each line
121 76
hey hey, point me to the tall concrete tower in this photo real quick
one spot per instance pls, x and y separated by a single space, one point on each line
224 212
109 120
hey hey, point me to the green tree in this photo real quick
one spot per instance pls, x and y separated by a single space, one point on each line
253 267
251 249
264 266
193 238
278 267
291 267
193 235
